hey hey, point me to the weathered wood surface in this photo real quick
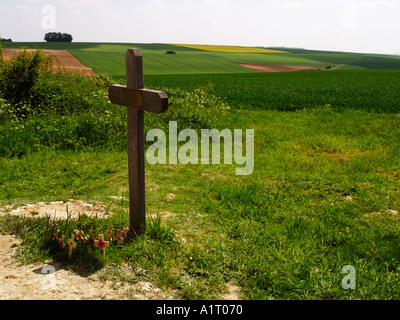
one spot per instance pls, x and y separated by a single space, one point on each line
137 100
144 99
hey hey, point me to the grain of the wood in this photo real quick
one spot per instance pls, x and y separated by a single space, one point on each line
147 100
137 100
136 138
137 210
134 69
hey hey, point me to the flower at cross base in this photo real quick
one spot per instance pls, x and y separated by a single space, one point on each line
126 230
61 242
55 237
101 244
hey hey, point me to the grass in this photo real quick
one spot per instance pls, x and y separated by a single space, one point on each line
319 199
324 192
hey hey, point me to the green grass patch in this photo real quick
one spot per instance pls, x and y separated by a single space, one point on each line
324 194
368 90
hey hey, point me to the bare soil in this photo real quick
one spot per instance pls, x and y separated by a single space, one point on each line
277 67
65 61
58 210
54 281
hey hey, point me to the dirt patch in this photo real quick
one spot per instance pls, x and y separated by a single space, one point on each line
388 212
53 281
232 293
277 68
58 210
65 61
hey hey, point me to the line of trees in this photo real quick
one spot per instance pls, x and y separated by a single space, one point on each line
5 40
58 37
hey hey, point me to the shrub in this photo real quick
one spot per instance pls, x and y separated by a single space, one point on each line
60 111
196 110
19 76
58 37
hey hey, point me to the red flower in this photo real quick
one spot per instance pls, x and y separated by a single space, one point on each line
102 244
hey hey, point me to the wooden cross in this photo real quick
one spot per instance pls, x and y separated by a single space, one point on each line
72 245
101 244
137 100
119 236
109 233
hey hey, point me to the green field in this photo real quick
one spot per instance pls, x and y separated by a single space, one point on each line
324 193
369 90
108 58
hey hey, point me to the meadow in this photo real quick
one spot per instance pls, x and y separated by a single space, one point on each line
339 89
324 193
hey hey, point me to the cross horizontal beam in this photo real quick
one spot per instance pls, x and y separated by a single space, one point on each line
144 99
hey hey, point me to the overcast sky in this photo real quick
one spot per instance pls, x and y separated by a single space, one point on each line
357 26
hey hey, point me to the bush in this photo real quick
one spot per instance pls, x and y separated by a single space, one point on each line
41 109
19 76
199 109
58 37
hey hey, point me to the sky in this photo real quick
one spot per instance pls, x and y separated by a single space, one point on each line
368 26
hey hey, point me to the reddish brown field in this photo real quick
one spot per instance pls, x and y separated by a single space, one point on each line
65 61
276 67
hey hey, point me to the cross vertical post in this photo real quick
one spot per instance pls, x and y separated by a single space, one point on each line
137 100
137 202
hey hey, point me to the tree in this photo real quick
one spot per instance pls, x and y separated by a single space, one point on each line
5 40
58 37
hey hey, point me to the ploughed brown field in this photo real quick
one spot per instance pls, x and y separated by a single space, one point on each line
277 68
65 61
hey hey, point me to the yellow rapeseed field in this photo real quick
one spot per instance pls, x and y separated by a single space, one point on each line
222 48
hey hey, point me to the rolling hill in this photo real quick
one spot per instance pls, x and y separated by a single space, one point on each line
108 58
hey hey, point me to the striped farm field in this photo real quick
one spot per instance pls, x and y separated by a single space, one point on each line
223 48
109 58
